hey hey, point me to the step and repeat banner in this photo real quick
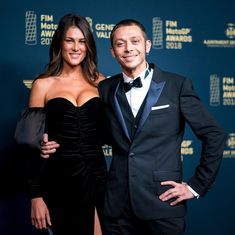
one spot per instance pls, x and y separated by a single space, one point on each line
192 38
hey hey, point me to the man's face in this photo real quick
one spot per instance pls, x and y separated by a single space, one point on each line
130 48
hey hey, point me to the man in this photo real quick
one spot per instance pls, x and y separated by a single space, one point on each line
146 110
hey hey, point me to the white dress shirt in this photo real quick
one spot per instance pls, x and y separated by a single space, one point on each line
136 95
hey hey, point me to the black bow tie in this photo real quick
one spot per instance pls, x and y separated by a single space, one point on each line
136 83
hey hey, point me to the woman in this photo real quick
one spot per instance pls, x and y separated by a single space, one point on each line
66 188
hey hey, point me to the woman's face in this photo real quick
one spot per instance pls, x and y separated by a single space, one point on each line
74 47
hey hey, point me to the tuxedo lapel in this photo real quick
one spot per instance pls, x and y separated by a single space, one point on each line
155 89
153 95
118 112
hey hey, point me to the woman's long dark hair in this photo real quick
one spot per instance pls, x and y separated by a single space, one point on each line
89 64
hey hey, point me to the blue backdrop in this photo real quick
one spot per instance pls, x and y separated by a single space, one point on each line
192 38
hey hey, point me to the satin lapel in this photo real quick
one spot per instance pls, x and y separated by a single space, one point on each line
118 112
151 99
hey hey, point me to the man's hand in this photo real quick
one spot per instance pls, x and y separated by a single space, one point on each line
48 147
179 191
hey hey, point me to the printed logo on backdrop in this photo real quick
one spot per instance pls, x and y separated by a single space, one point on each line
227 42
101 30
169 34
30 28
40 28
186 148
222 90
229 151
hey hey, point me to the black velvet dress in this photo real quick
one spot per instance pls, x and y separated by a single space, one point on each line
72 180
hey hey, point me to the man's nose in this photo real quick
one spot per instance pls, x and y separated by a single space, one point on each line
128 46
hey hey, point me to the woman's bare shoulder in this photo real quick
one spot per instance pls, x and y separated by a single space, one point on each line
39 91
41 82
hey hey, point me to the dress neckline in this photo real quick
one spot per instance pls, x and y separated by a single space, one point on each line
68 101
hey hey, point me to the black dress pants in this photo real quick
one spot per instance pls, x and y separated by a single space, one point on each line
128 224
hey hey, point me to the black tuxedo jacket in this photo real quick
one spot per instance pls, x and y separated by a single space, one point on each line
153 155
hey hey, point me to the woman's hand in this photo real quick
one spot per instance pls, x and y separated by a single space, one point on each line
40 216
